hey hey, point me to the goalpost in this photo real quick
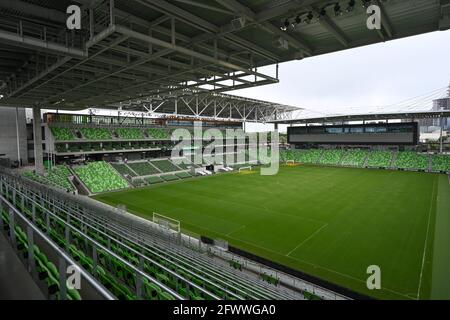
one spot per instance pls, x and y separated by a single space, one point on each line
291 163
245 169
166 222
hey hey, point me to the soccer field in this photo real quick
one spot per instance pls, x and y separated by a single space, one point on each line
328 222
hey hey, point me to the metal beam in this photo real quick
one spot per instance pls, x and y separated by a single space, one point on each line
34 10
189 52
99 37
240 9
385 21
38 44
205 6
329 24
193 20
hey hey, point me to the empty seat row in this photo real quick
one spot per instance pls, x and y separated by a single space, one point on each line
441 162
412 160
46 270
116 276
100 177
332 156
165 165
143 168
164 258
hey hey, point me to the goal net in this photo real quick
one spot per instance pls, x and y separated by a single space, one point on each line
291 163
166 222
245 170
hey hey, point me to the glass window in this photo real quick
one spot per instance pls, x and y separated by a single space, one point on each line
357 130
333 130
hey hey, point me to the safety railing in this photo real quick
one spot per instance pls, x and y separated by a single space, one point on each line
35 242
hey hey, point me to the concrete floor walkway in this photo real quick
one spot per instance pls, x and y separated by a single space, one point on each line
15 281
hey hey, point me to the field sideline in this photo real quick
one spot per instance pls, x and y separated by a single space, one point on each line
329 222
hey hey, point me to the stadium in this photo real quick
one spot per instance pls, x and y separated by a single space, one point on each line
127 170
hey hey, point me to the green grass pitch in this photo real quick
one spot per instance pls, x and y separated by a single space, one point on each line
329 222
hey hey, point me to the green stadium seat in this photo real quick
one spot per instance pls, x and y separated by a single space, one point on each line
183 175
165 165
100 177
441 162
379 159
303 156
169 177
143 168
154 179
331 157
123 169
412 161
95 133
129 133
156 133
62 134
354 158
58 176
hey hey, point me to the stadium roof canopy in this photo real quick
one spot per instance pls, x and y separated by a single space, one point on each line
130 51
366 117
205 104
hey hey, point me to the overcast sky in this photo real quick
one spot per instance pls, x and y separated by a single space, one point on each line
375 75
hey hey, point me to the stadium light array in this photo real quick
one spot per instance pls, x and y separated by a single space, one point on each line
335 8
366 3
351 6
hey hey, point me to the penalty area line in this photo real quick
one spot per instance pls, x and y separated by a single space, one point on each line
304 241
321 267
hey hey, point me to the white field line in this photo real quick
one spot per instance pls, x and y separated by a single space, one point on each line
321 267
236 230
426 241
312 235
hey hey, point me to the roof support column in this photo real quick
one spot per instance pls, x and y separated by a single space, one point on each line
176 105
111 13
37 134
19 159
91 24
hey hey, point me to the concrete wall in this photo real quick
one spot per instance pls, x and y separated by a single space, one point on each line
8 137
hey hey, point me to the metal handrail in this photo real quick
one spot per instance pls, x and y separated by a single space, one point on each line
121 244
134 239
92 281
100 246
153 249
121 223
184 257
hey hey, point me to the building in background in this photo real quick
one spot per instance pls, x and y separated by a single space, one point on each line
442 104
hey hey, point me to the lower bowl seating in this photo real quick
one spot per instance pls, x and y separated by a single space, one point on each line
441 162
412 160
100 177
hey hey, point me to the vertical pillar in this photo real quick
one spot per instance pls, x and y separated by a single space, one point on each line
91 24
276 126
111 13
37 133
440 136
176 105
19 159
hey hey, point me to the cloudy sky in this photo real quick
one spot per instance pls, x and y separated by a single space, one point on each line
376 75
